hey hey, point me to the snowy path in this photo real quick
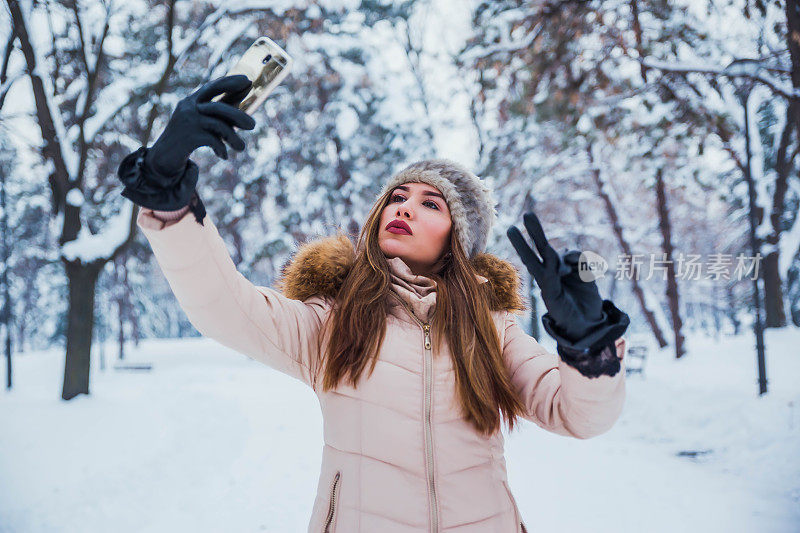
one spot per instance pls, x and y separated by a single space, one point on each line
211 441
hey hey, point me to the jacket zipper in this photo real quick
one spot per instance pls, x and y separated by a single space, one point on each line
332 504
428 381
428 430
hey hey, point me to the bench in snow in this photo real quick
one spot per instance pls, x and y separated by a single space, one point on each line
146 367
636 354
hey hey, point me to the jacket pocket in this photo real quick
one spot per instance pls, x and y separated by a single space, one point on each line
330 520
521 523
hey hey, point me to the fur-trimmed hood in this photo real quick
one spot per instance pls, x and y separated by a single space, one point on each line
319 267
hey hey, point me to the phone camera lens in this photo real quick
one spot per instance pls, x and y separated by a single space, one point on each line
266 59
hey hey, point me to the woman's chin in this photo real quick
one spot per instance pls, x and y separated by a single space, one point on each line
392 247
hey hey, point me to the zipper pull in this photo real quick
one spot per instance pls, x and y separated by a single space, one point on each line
427 328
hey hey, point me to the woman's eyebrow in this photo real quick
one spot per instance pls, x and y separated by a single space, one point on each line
424 193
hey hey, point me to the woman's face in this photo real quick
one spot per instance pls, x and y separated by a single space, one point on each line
423 209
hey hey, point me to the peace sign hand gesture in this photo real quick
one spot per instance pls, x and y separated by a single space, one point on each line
578 318
575 305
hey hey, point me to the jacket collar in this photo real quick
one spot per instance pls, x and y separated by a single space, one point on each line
319 267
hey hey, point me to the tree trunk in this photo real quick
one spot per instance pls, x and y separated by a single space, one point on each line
732 307
120 305
135 330
716 310
774 305
82 279
625 246
121 328
793 44
773 293
673 298
7 304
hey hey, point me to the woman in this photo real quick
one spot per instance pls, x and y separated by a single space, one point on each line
409 339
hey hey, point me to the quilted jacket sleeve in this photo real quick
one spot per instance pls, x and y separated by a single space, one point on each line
558 397
223 305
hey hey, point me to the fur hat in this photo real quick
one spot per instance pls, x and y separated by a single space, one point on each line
469 199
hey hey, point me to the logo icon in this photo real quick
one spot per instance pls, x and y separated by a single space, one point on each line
591 266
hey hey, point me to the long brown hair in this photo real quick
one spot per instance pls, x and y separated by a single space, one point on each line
462 315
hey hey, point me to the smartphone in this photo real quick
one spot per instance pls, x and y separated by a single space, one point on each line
265 64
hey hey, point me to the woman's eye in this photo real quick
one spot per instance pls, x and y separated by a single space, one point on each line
395 196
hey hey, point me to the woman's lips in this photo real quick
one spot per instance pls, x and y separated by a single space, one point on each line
395 229
398 226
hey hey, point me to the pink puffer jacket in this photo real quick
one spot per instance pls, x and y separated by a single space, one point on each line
398 456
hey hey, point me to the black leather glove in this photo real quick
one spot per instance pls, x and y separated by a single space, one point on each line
584 325
163 177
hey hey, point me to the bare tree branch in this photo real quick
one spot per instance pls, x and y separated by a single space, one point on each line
76 12
159 89
54 46
52 150
91 83
5 82
180 57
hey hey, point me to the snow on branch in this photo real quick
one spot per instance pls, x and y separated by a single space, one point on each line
752 70
88 248
36 71
120 93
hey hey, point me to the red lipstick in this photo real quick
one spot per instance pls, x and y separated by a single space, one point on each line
399 227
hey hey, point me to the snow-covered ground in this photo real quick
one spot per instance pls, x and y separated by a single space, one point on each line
211 441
